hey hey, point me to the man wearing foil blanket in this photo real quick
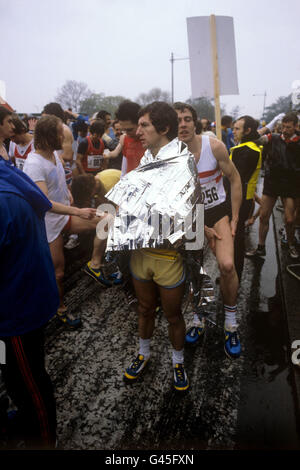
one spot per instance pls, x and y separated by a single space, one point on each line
164 189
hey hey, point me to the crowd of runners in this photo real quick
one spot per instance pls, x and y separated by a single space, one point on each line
55 171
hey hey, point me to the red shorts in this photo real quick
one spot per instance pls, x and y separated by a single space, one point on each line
67 227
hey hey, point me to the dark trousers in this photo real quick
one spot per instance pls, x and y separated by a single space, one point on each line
29 386
239 239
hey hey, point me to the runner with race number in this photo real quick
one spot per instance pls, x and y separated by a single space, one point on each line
220 217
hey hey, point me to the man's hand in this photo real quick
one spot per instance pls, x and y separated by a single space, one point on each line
272 123
71 198
86 213
31 124
211 236
233 225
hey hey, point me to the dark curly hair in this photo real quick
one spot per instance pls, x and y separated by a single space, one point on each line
162 116
128 111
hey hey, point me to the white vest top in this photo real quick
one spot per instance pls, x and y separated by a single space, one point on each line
210 175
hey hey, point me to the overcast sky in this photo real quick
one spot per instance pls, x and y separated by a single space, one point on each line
123 47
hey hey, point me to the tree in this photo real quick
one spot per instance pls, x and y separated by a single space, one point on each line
91 104
98 101
72 94
156 94
204 108
282 105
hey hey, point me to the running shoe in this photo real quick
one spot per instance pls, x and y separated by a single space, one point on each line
194 333
97 274
256 253
68 319
283 239
297 236
293 253
136 368
116 278
232 344
72 243
181 382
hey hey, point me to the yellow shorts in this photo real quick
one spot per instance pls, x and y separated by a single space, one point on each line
166 270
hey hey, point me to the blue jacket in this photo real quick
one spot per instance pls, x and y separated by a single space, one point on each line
28 289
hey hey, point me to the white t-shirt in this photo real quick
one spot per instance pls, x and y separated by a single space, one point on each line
39 168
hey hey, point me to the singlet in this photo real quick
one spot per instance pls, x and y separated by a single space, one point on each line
133 152
20 153
210 176
92 160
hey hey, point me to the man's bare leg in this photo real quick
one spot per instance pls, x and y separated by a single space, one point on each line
228 285
171 300
229 282
266 208
289 206
267 205
146 293
290 213
57 254
95 264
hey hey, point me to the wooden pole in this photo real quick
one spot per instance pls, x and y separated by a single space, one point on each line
214 49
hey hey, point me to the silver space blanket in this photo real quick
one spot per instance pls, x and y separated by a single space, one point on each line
159 204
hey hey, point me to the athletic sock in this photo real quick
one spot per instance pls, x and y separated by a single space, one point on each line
230 317
196 320
144 348
177 357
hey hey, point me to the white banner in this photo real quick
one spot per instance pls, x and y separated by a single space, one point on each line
2 90
200 53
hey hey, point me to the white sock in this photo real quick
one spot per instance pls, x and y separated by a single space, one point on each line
144 347
230 317
177 357
198 321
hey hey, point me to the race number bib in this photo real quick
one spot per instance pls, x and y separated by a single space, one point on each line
210 195
20 163
94 162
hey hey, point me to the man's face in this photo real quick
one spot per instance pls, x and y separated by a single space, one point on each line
186 126
204 124
238 130
147 133
129 128
117 130
107 121
288 129
7 128
95 136
60 137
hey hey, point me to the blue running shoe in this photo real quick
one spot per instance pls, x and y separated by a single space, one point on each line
97 274
136 368
194 333
232 344
68 319
181 382
116 278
